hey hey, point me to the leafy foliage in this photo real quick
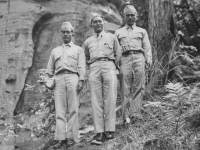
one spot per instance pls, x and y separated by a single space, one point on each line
47 108
173 112
188 21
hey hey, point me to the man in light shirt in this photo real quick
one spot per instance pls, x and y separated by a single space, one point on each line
136 50
102 52
67 65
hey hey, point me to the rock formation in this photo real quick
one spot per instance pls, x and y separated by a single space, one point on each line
29 30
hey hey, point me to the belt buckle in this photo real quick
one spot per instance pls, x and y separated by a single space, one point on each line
67 72
133 52
102 59
127 53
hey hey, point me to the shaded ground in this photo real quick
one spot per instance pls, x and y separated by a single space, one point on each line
166 125
85 144
86 135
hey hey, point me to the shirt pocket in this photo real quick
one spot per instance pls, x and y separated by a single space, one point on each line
73 61
123 39
136 40
93 51
58 56
136 36
108 47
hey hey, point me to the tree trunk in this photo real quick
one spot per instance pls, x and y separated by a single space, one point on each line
162 34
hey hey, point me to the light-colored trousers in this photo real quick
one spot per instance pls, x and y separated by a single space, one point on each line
66 101
132 68
103 90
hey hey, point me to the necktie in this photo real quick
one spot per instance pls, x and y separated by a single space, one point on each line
98 36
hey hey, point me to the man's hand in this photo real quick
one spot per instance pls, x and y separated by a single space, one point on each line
149 63
80 85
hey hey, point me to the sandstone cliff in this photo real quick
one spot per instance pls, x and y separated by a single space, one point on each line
29 31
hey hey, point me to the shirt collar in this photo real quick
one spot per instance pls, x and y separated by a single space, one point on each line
130 27
70 44
101 34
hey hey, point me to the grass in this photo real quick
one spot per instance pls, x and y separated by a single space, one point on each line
171 113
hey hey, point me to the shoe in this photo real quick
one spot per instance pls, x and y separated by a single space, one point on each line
98 139
70 142
60 144
54 142
109 135
135 119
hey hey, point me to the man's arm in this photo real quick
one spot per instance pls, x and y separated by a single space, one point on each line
117 51
87 54
50 66
81 69
45 79
81 65
147 48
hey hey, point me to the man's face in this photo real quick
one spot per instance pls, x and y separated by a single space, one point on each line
97 24
130 19
66 35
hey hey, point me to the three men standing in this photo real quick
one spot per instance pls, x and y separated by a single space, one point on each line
103 56
136 49
67 66
102 52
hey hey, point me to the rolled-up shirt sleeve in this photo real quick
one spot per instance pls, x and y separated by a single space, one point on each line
147 47
86 50
81 65
117 51
50 66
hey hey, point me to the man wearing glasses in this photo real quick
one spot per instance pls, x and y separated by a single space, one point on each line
67 66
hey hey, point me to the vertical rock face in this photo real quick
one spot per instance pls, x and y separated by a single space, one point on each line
16 48
29 30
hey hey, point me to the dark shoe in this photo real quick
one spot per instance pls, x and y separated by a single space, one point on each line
54 142
98 139
135 119
60 144
70 142
109 135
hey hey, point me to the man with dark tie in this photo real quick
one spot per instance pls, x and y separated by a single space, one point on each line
67 66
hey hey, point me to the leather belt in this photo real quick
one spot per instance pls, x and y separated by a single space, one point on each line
102 59
130 52
66 72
